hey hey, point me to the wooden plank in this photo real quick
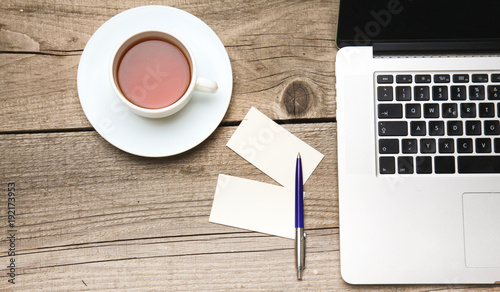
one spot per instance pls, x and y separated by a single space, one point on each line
282 54
75 187
204 262
84 207
38 92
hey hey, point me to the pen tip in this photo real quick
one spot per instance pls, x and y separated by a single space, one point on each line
298 155
299 274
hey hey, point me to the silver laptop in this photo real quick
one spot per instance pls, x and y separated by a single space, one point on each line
418 112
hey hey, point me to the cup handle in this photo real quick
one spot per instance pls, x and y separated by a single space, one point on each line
206 85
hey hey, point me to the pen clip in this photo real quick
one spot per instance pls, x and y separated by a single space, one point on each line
304 235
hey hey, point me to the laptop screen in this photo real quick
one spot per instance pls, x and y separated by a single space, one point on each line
365 22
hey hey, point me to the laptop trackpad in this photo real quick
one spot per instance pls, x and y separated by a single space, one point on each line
482 229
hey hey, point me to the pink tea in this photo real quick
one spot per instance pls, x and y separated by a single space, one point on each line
153 74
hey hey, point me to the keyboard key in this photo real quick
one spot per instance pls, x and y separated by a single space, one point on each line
423 164
461 78
483 145
478 164
458 92
478 78
403 78
476 92
468 110
486 110
431 110
442 78
444 164
427 146
413 110
417 128
450 110
390 111
388 146
384 79
439 93
455 128
473 128
423 78
494 92
409 146
436 128
384 93
446 145
464 145
421 93
491 127
403 93
495 77
387 165
497 145
405 165
393 128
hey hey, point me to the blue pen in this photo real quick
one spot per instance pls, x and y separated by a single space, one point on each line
300 236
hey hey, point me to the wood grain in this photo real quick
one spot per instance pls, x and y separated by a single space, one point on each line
272 45
84 206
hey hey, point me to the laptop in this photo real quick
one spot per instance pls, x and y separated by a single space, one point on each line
418 114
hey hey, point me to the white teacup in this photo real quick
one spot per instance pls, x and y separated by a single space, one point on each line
155 75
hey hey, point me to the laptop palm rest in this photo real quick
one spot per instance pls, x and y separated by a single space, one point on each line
482 229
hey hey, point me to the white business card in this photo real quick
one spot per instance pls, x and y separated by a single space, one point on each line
254 205
272 149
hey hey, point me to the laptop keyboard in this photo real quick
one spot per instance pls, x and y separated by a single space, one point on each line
438 123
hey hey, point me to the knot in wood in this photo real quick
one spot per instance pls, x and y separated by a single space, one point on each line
297 98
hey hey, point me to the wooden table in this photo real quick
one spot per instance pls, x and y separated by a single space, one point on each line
89 216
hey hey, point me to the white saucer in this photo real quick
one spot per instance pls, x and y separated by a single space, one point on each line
144 136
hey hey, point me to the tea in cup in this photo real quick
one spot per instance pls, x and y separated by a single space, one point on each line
155 75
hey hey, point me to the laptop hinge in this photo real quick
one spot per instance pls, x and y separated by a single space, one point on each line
422 48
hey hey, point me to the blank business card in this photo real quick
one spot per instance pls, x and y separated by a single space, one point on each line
272 149
253 205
